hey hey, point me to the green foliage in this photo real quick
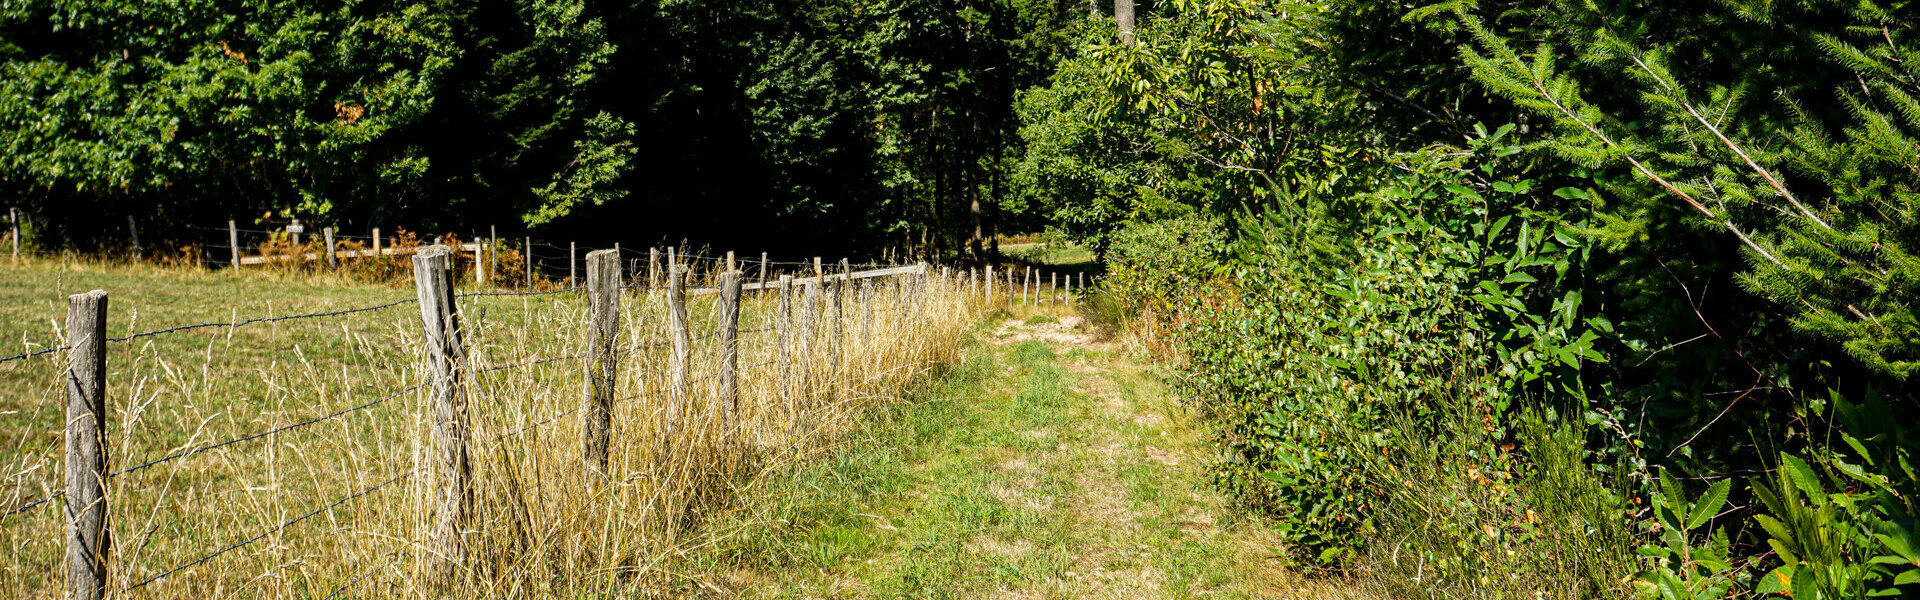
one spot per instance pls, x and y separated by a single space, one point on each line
1847 528
300 108
1678 568
1826 222
1438 294
1150 265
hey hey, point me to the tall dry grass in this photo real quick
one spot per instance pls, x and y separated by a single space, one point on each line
541 526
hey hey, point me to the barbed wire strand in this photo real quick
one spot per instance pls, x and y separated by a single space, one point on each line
257 435
262 535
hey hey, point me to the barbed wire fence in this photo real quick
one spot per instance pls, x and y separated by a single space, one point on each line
811 320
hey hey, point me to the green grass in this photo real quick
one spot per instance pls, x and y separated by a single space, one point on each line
1058 254
1007 478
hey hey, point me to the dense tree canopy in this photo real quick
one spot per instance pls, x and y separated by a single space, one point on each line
841 125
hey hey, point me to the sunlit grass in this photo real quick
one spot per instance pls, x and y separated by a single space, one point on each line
541 529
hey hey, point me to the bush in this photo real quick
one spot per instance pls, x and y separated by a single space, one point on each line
1151 264
1377 363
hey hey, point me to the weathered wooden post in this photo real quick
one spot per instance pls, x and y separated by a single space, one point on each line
809 335
87 528
526 251
1053 287
13 220
682 341
653 268
835 353
763 268
451 466
233 243
729 351
866 320
332 261
989 278
603 333
573 250
783 321
377 255
134 230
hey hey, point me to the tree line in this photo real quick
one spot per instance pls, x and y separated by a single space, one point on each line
834 125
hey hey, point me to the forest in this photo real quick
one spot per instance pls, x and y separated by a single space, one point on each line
1481 299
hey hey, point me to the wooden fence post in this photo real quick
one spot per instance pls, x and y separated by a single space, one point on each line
653 267
88 533
989 278
526 251
809 344
729 329
866 321
332 260
835 353
603 300
233 243
573 250
376 244
451 467
13 220
783 321
763 268
682 341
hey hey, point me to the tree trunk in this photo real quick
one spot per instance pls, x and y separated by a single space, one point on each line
1123 17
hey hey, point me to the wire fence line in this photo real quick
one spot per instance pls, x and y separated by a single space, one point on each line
657 388
261 434
276 529
227 325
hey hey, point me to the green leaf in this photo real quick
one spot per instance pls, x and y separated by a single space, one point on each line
1709 504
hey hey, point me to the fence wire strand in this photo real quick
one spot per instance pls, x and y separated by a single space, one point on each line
257 435
276 529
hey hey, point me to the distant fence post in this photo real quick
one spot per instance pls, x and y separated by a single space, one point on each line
834 351
989 279
134 230
376 244
332 260
526 251
809 335
233 243
451 466
729 351
13 221
653 268
783 320
682 343
87 528
573 250
763 266
603 299
866 320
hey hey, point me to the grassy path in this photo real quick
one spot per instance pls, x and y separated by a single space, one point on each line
1045 466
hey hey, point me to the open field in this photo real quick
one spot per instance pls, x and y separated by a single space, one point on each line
1057 254
336 505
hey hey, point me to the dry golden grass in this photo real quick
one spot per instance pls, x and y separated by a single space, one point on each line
541 526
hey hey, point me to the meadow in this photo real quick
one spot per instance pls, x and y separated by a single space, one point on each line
330 503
